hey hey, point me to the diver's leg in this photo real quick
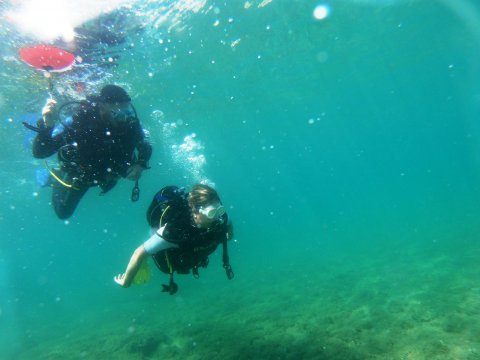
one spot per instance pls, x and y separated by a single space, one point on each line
66 199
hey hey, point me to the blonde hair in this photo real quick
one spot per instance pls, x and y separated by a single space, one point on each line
202 196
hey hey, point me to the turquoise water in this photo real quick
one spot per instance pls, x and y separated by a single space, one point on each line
346 149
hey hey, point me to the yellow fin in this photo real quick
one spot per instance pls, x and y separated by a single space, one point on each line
143 274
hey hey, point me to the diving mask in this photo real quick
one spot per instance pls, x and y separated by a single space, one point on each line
213 211
122 114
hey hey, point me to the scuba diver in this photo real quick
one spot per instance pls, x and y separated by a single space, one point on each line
188 227
102 142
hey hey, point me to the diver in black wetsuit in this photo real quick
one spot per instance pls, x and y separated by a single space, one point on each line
95 149
188 228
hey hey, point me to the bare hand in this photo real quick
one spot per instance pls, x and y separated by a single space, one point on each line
120 279
47 113
134 172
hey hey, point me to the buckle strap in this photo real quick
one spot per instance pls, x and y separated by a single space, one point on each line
228 271
172 287
226 261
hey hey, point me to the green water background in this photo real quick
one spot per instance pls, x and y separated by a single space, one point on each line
347 151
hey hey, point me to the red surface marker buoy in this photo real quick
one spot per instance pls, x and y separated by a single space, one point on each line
47 58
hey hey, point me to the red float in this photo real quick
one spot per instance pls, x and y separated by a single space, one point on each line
47 58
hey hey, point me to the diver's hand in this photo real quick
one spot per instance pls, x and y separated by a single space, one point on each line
120 280
134 172
48 113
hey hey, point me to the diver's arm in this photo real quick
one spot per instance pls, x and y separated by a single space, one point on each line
157 243
134 264
144 153
44 145
143 147
150 247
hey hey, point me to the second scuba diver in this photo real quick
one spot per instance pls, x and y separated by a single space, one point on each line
103 143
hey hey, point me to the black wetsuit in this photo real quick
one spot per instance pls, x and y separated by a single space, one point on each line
194 244
91 152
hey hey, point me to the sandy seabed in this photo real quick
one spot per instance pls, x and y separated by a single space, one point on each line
408 305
